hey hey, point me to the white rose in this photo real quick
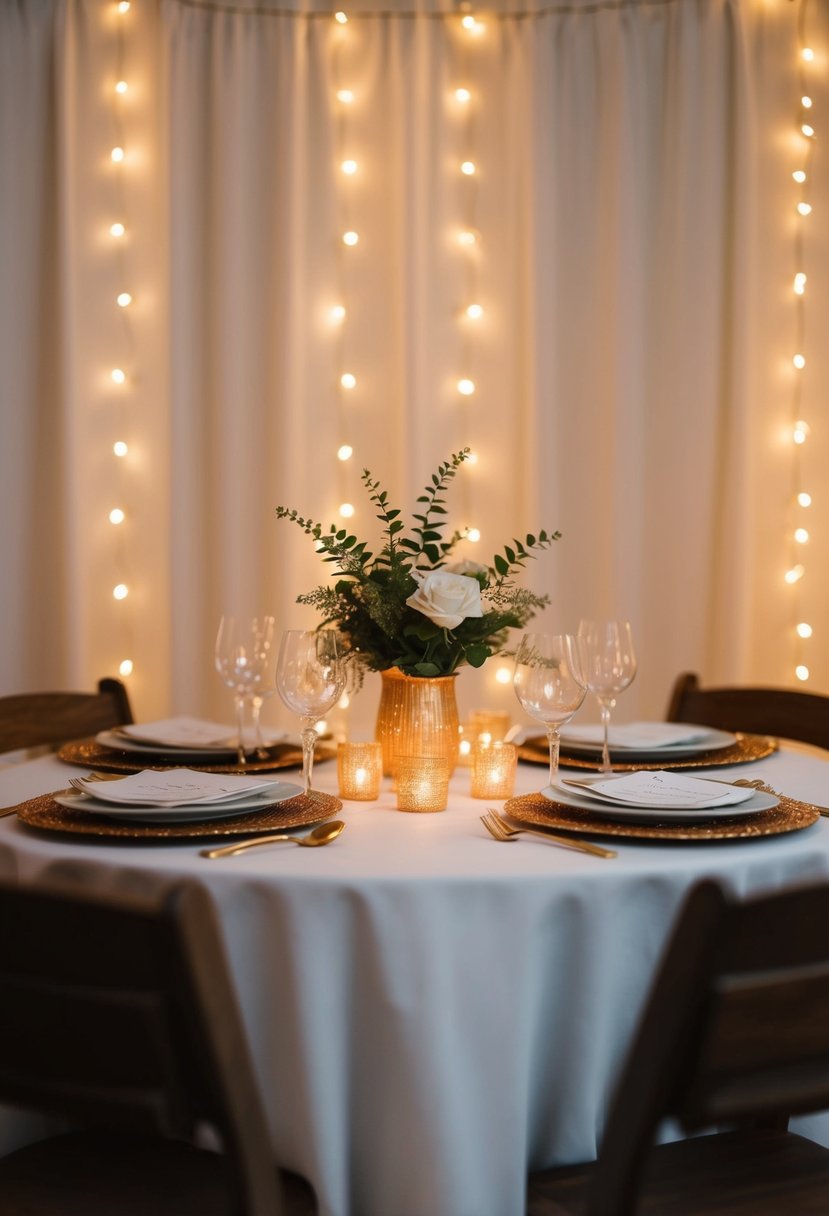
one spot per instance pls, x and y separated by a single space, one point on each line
466 566
447 599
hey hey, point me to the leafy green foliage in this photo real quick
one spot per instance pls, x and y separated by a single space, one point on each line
368 605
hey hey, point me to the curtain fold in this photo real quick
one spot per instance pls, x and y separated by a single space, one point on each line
631 209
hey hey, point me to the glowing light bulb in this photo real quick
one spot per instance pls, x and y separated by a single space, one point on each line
474 311
123 6
349 167
116 516
125 667
804 208
806 102
347 380
801 535
341 17
795 574
346 510
800 431
802 671
804 499
799 361
337 313
117 155
468 22
120 591
807 130
468 168
117 229
472 458
350 238
119 448
804 630
345 452
466 387
468 237
807 53
121 86
463 96
473 534
799 283
345 96
123 299
503 675
799 176
118 375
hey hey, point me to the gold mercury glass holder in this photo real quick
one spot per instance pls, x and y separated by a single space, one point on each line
483 726
422 783
359 771
493 770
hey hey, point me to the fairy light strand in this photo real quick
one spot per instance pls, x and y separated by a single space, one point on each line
346 168
798 531
118 514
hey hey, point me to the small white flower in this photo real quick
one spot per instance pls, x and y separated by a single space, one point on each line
446 598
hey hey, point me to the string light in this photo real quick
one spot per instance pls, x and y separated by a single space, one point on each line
338 313
120 449
116 516
466 387
346 96
346 510
118 375
349 167
345 451
117 154
802 672
120 591
804 630
124 299
117 229
348 381
350 238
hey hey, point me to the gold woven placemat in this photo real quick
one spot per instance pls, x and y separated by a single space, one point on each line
47 815
747 749
91 754
787 816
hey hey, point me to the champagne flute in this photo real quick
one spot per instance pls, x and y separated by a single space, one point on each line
310 678
608 662
548 684
244 659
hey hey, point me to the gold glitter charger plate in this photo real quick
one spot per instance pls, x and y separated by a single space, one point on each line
91 754
747 749
787 816
302 811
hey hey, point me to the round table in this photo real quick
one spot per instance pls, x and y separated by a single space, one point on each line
431 1013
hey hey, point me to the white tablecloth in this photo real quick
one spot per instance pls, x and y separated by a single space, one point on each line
431 1012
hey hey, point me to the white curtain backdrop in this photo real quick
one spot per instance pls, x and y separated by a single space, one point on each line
636 234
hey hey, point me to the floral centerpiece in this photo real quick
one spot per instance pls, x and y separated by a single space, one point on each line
413 614
408 606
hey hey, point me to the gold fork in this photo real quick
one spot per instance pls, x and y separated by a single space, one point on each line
502 831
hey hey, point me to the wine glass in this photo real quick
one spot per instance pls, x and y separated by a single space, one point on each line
608 663
310 678
244 660
548 683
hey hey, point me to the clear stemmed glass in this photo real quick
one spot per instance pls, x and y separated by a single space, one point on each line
608 663
244 660
310 678
548 683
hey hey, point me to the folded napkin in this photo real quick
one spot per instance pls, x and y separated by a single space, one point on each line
640 736
658 789
173 787
195 734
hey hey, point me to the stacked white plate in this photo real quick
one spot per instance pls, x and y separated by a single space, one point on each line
664 797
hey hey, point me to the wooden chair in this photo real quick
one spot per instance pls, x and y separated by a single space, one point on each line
117 1015
736 1033
35 719
785 712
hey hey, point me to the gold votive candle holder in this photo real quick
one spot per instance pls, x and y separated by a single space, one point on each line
488 725
422 783
493 770
359 771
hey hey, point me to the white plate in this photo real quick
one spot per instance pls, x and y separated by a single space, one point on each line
639 814
122 743
709 740
280 791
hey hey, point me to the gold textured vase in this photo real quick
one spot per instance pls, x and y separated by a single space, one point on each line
417 717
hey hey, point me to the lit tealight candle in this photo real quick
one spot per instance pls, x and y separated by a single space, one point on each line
489 725
359 771
422 783
493 770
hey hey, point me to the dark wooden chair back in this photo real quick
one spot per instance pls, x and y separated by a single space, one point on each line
784 712
118 1014
38 719
736 1030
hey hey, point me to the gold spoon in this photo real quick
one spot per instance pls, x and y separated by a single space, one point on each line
324 833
